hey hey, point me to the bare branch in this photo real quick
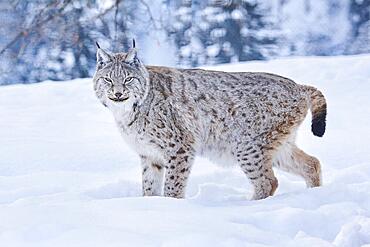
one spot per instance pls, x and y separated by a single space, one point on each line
115 23
18 36
35 24
151 16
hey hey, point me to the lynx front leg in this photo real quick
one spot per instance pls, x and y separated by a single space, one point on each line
152 177
258 169
177 173
264 181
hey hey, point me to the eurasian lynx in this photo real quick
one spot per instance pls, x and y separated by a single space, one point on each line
170 115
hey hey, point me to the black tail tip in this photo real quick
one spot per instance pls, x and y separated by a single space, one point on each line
319 124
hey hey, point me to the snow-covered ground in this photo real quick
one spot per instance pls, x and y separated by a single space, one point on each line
68 179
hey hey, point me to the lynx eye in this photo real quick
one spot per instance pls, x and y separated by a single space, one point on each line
129 79
108 80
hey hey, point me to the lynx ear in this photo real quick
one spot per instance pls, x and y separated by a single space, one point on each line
131 55
102 57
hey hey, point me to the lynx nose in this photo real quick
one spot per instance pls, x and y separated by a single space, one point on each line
118 95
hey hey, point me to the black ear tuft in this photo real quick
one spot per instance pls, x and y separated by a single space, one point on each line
97 44
133 43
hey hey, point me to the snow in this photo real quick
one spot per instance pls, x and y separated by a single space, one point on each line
68 179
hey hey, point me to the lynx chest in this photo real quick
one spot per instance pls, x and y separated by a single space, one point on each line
138 137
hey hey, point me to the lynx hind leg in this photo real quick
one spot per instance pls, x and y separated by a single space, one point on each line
258 167
291 159
152 177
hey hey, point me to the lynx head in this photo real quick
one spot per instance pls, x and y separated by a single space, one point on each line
120 78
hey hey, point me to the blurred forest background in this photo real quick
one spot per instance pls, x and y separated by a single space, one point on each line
55 40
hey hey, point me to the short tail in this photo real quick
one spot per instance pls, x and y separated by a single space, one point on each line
318 110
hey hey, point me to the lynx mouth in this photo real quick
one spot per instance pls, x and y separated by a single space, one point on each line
119 99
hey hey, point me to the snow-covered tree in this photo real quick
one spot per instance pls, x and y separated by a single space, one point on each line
223 31
360 19
315 27
55 40
178 25
236 30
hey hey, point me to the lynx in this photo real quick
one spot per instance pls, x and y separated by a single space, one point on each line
169 115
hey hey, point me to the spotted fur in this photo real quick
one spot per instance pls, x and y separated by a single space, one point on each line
168 116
